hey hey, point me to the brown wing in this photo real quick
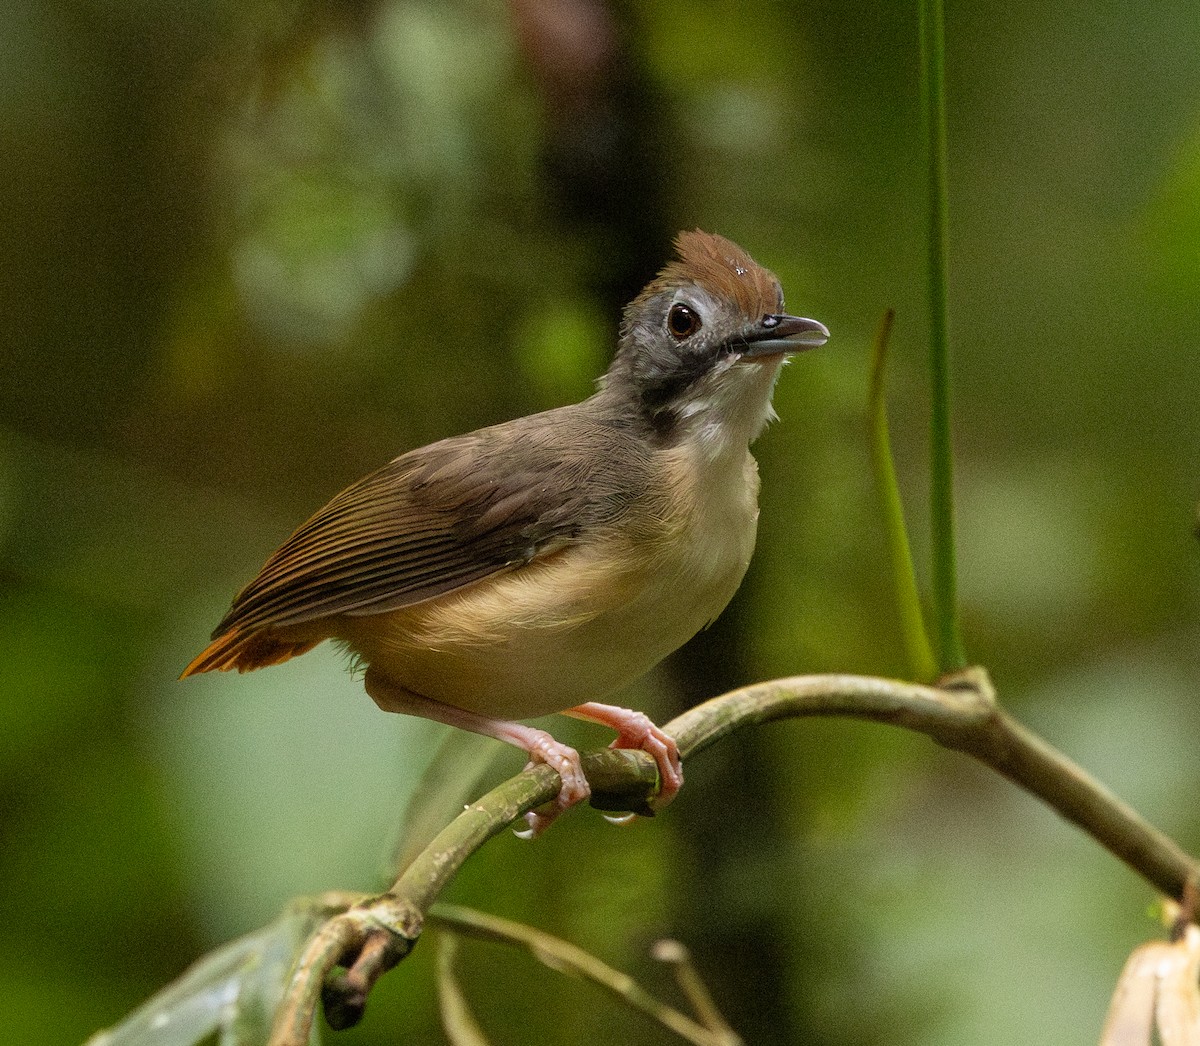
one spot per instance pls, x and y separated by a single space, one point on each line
429 522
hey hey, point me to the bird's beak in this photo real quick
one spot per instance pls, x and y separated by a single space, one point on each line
781 334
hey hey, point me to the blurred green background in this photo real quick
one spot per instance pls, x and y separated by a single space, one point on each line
253 250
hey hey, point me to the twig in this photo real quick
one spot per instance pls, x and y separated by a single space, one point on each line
293 1022
674 954
961 714
569 958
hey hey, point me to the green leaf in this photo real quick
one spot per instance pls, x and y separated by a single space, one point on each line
921 661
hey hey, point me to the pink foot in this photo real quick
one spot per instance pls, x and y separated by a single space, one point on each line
636 730
542 748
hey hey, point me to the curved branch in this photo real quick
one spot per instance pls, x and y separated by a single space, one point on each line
961 714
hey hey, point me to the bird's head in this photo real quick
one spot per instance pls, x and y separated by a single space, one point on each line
702 345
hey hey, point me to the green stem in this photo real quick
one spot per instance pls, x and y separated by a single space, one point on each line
921 661
941 494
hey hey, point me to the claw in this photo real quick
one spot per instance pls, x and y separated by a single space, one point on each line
640 732
637 730
544 749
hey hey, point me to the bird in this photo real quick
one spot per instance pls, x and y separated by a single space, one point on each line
539 565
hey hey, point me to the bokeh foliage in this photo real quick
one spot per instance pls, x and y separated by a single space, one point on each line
254 250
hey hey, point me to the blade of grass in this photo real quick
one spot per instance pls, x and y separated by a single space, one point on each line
921 661
941 491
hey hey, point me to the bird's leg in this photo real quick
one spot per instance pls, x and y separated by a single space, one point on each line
636 730
540 746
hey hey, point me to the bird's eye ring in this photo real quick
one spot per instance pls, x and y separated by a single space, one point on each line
682 321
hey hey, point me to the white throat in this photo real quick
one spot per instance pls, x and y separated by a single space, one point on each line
728 410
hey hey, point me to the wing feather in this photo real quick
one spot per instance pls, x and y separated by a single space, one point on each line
443 517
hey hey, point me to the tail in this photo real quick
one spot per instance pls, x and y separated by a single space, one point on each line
246 651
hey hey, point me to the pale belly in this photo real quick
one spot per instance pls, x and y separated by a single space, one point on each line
576 626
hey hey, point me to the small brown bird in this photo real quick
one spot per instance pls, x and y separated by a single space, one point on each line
539 565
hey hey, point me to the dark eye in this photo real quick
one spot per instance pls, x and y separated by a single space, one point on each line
682 322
